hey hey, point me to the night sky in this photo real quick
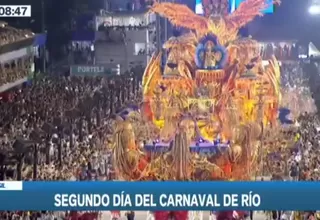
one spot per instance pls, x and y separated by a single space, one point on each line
291 21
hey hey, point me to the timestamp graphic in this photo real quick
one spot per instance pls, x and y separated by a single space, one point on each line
15 10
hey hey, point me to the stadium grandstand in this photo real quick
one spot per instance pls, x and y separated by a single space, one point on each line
18 50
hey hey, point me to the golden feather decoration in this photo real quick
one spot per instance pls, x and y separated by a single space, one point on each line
273 73
151 74
225 28
180 15
183 46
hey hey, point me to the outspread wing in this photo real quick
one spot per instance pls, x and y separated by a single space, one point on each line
247 11
180 15
151 74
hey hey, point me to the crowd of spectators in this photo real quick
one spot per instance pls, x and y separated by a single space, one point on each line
10 35
82 52
283 51
302 160
72 113
293 154
292 74
15 70
306 157
298 99
61 128
296 92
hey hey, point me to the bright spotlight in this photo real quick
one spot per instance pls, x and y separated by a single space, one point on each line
314 10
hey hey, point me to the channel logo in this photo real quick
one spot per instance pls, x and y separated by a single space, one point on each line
11 186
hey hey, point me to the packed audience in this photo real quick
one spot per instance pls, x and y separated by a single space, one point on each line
283 149
292 74
70 121
293 154
297 95
303 157
306 163
81 52
283 51
71 115
10 35
15 70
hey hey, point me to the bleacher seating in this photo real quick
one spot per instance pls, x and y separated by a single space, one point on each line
15 64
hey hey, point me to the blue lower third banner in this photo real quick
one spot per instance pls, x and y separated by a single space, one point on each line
158 196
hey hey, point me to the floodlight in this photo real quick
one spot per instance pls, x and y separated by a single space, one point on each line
314 9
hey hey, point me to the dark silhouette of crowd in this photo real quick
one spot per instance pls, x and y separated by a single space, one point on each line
81 52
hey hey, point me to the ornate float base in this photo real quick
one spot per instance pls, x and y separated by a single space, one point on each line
209 76
177 83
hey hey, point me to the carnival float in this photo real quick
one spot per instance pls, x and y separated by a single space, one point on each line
204 113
